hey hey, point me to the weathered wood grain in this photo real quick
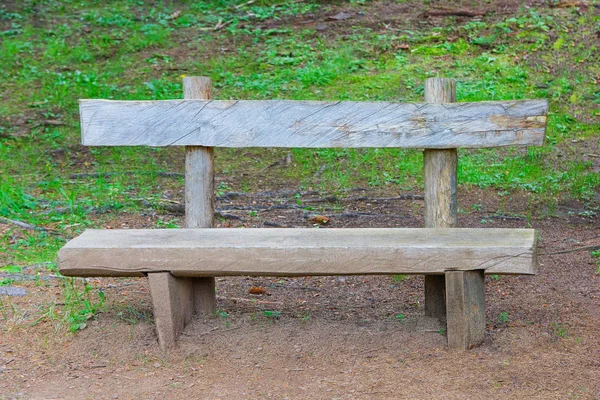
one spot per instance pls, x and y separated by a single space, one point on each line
297 252
440 177
173 306
465 304
199 166
279 123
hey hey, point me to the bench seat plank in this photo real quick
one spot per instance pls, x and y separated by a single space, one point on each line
312 124
298 252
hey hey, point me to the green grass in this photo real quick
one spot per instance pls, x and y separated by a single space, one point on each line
560 330
596 255
503 317
56 52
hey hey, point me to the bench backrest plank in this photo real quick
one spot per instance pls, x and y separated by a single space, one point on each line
312 124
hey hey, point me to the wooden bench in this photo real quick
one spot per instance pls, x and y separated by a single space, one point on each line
181 263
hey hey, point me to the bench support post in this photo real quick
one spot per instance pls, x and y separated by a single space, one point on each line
465 304
176 300
435 296
458 295
440 167
173 304
199 192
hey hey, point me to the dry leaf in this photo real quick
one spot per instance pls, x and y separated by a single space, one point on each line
257 290
319 219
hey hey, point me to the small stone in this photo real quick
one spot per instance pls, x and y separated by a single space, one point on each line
13 291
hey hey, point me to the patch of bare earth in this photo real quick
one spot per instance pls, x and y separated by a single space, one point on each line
326 337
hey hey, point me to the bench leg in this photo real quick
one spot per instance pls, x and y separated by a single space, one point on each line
435 296
205 299
173 303
465 305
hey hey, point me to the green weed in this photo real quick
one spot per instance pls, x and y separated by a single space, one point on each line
80 305
596 254
503 317
6 281
560 330
272 314
400 278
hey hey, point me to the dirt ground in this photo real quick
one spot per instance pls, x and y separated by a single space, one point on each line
328 337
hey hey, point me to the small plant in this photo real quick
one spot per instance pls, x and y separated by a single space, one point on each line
222 188
560 330
400 317
10 269
399 278
79 304
476 207
272 314
596 255
171 224
6 281
503 317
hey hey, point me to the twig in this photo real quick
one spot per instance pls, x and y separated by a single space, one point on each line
401 197
109 174
273 224
96 366
584 248
505 217
244 4
23 225
90 210
243 300
217 329
227 215
320 171
268 193
329 199
220 25
333 199
126 377
355 215
457 13
46 373
208 331
50 122
566 4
